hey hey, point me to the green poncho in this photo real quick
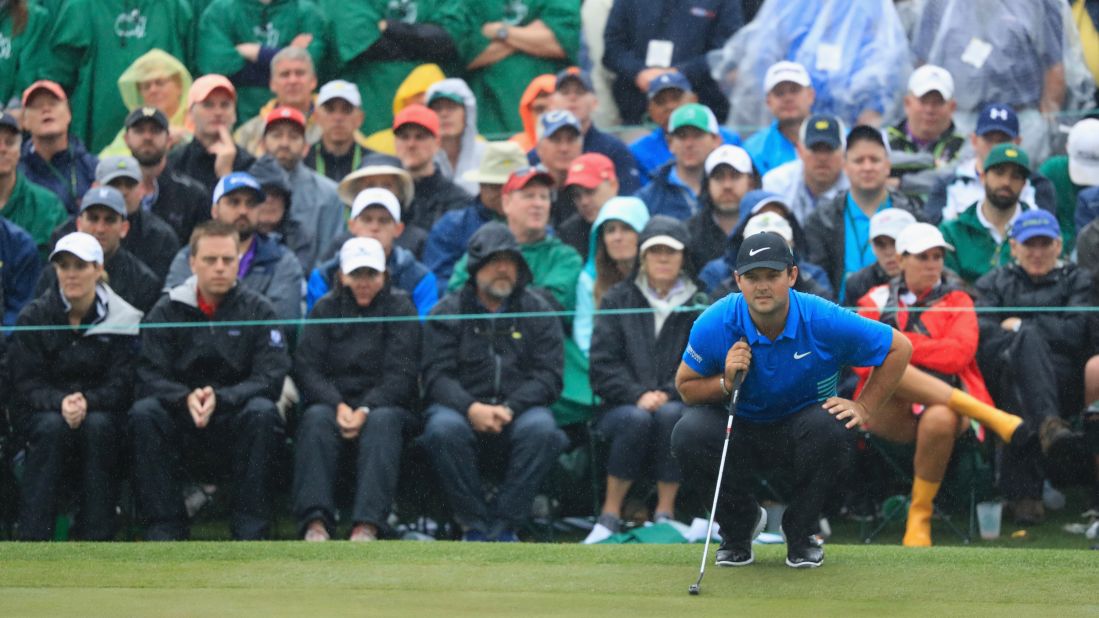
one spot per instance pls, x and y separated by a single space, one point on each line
94 41
228 23
498 87
22 57
356 31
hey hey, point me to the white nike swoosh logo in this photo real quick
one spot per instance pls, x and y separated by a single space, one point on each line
755 251
802 355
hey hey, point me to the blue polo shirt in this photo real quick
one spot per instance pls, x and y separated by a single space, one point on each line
857 252
801 367
769 149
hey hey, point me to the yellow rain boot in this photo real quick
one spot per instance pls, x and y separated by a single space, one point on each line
917 531
1000 422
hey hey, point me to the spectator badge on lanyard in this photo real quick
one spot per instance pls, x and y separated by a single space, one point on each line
659 54
977 52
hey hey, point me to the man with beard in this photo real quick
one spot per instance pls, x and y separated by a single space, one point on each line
266 267
172 195
489 382
729 176
554 266
314 202
980 233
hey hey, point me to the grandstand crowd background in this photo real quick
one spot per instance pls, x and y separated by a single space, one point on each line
479 231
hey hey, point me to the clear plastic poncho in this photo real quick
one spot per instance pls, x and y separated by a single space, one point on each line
856 53
999 50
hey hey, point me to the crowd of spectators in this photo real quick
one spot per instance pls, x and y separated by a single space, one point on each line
373 196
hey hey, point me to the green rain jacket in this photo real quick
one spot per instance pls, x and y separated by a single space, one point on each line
498 87
22 57
95 41
36 210
975 250
228 23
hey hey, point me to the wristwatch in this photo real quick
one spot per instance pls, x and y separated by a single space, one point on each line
724 389
502 33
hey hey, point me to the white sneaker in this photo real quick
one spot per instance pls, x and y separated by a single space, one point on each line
598 534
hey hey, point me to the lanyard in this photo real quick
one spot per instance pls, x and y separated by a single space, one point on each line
859 244
356 158
72 173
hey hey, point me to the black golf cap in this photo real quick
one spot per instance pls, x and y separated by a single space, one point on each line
142 114
763 250
9 121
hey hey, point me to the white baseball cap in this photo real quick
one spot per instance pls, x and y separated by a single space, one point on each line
376 196
662 239
340 89
785 71
890 222
919 237
930 77
359 253
727 154
769 222
80 244
1083 152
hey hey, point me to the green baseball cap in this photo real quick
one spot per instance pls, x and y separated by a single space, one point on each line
1008 153
693 115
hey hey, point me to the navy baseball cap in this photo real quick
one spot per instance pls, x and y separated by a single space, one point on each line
763 250
822 129
151 114
667 81
574 74
1034 223
238 181
9 121
998 117
555 120
108 197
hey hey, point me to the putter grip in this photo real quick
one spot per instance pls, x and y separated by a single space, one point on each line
738 377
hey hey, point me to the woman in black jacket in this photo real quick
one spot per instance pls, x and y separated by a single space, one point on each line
634 357
358 381
73 384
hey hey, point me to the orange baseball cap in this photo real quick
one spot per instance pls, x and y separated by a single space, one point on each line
202 87
284 114
419 115
47 85
590 170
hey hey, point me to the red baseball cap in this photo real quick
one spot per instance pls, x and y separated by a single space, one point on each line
47 85
419 115
522 177
590 170
282 114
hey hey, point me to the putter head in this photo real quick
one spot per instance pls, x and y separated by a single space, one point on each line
694 590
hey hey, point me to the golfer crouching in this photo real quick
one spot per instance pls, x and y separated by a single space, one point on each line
788 420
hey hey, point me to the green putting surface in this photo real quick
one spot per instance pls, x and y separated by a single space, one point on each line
453 579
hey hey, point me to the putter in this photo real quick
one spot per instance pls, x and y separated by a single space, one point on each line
738 379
